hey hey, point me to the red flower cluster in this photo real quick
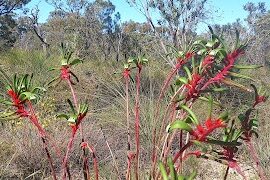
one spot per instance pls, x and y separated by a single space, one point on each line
189 55
229 61
191 86
18 104
201 132
259 99
126 73
75 127
65 73
208 60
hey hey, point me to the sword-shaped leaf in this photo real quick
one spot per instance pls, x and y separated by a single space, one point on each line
178 124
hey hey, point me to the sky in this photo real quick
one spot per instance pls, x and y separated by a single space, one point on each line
224 11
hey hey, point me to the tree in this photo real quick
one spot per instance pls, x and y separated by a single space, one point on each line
178 17
7 23
259 44
7 7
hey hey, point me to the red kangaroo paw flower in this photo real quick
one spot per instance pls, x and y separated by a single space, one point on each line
65 73
126 73
191 86
18 104
259 99
84 145
201 132
189 55
229 61
208 60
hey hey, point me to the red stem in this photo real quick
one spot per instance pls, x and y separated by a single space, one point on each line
255 158
137 120
34 120
179 153
128 131
85 163
65 161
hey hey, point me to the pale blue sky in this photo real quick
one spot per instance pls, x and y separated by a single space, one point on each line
227 10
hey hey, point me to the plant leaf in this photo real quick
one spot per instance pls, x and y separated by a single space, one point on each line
238 66
178 124
233 83
240 76
163 170
75 61
195 120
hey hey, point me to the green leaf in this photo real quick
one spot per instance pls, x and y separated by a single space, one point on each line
75 61
178 124
210 44
77 79
52 69
181 80
207 100
163 170
188 73
194 118
173 172
223 143
28 96
63 116
247 66
221 89
217 51
181 177
71 106
6 102
132 60
241 117
6 114
254 132
237 134
224 116
254 123
72 119
201 42
202 51
240 76
37 89
54 80
192 176
233 83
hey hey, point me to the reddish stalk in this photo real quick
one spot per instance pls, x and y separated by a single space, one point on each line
179 153
172 105
255 158
137 120
34 120
126 76
85 163
69 147
95 161
161 95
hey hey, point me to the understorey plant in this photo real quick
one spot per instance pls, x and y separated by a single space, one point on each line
20 96
69 76
74 118
133 63
203 71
